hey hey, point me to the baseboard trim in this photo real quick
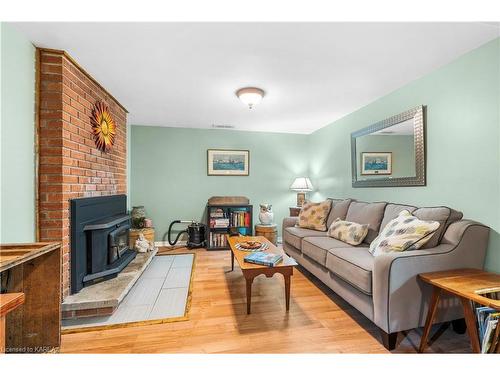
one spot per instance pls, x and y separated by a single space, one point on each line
166 244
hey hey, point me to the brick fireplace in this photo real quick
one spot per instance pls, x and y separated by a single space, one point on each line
69 164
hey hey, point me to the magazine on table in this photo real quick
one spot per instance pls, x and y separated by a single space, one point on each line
264 259
488 328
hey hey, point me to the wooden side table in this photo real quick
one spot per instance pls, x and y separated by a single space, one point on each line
294 211
469 285
269 231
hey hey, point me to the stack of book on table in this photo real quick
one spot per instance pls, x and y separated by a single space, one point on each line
489 329
264 259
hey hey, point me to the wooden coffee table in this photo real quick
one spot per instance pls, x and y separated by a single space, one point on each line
469 285
250 271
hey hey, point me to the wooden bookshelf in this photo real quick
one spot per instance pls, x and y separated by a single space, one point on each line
238 216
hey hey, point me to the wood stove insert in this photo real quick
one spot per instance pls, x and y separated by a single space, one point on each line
99 239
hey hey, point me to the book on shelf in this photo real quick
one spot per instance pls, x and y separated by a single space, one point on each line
482 312
235 218
495 342
240 218
217 239
490 327
264 259
217 212
219 223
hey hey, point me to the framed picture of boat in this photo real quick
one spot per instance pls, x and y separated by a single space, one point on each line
376 163
228 162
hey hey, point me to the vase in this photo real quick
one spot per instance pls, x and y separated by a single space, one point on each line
266 214
138 215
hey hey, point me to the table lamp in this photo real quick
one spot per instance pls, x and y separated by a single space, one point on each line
301 185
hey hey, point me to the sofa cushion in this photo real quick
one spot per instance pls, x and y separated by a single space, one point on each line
314 215
367 213
338 211
443 215
352 264
294 235
317 247
392 211
405 232
348 232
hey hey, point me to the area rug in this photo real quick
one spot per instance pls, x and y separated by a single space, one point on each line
161 294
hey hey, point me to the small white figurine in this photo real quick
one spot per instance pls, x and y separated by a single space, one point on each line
266 214
142 245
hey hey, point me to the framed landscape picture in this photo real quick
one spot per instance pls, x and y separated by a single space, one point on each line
228 162
374 163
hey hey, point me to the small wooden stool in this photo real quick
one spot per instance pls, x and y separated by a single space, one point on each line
133 235
269 231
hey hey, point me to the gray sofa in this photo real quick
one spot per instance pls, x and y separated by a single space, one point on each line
386 288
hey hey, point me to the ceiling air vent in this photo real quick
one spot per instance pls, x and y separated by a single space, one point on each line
222 126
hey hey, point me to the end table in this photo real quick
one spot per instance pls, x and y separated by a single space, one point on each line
269 231
467 285
294 211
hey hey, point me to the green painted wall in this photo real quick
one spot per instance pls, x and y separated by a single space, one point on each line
169 171
17 185
463 161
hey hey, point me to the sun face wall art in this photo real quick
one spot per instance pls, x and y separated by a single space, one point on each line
103 127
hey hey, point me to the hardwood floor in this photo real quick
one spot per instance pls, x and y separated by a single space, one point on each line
318 321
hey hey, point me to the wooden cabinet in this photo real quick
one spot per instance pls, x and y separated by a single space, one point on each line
8 303
35 270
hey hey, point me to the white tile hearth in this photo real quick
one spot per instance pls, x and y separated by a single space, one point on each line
170 301
177 278
161 292
158 268
184 260
144 292
110 293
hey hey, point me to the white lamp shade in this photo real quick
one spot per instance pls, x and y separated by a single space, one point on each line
302 184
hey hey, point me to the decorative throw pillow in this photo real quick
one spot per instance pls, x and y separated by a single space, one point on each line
405 232
348 232
314 215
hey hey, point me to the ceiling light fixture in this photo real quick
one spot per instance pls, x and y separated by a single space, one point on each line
250 96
